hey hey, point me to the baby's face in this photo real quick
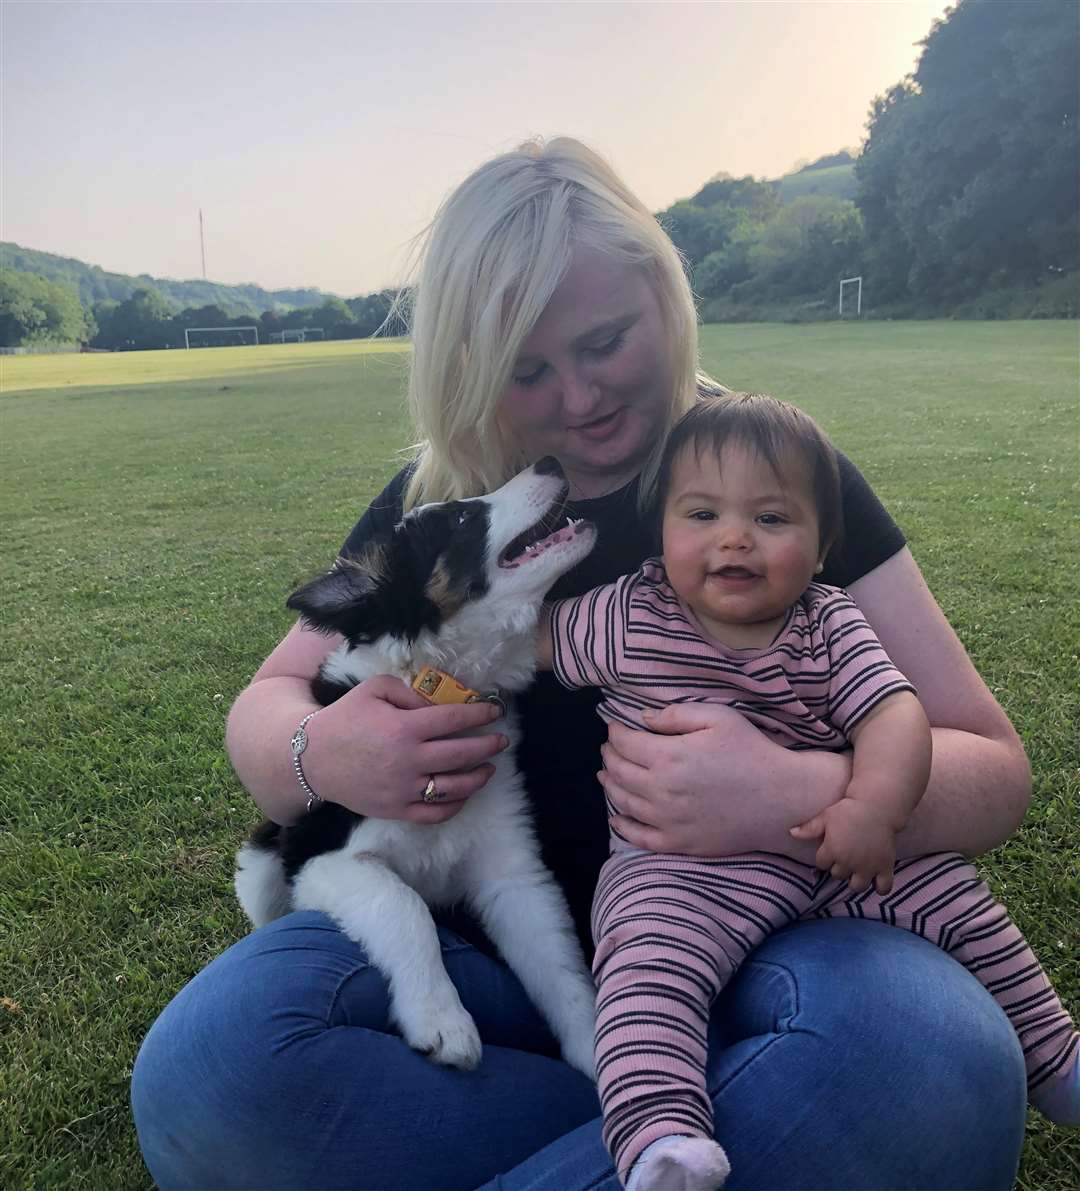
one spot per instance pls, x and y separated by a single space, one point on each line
741 543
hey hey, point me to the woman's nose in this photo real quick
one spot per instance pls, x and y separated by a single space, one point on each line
580 393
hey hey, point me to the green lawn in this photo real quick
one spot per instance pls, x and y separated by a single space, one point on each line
158 506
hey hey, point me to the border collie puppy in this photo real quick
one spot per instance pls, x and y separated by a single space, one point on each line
457 588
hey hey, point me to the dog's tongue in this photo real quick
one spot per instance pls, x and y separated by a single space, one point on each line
564 534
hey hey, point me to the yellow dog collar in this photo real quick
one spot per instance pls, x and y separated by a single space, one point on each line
439 687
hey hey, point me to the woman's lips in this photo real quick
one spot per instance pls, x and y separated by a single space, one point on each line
600 428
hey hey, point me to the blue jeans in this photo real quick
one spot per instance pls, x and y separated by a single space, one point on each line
845 1054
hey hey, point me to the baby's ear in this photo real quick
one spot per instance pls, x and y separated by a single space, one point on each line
823 553
339 601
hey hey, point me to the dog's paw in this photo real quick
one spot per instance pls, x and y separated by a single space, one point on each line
576 1029
449 1038
580 1052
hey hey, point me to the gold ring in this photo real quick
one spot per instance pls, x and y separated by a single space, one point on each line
431 791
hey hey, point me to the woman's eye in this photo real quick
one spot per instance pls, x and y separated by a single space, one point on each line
530 378
610 347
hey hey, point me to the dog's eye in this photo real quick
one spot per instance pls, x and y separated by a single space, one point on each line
463 516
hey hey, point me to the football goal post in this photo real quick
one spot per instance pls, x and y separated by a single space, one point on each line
296 335
856 281
219 336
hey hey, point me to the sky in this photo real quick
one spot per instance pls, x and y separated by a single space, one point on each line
319 138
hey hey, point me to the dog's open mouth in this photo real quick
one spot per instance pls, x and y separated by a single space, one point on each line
547 532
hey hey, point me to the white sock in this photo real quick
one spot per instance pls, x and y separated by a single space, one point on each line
677 1163
1059 1100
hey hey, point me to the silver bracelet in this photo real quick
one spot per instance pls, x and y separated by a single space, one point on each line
299 744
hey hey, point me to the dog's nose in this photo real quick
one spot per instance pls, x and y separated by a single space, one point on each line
548 466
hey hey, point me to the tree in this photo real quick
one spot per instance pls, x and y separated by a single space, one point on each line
697 231
813 242
759 200
719 271
335 318
724 213
142 321
33 310
202 316
370 311
969 174
879 174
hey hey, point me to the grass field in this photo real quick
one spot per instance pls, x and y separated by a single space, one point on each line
158 506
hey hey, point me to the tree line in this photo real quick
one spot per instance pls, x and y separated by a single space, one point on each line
966 202
36 311
146 320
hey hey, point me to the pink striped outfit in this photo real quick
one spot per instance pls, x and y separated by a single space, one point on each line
670 931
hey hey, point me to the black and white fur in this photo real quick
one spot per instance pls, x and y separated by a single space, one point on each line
458 589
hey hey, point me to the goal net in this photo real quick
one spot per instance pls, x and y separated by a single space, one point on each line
219 336
857 282
297 335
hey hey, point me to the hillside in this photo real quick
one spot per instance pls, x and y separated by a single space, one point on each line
93 284
832 175
836 181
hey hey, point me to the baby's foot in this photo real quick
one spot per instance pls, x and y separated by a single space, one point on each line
1059 1100
679 1164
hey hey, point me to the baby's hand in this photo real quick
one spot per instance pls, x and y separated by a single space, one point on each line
857 844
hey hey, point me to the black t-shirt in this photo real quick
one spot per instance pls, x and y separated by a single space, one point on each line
559 754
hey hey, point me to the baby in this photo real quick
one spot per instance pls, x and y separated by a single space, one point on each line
751 504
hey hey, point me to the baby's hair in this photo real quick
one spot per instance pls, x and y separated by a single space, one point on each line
775 430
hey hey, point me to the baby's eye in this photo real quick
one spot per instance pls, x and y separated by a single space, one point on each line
703 515
771 519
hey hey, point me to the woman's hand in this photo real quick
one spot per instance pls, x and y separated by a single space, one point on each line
374 749
705 782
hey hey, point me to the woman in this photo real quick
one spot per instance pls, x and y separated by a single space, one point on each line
552 316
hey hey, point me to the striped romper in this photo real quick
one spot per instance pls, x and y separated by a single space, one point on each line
670 930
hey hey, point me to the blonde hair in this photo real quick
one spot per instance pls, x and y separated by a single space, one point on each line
492 257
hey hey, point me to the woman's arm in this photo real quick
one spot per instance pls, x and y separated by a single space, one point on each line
706 782
372 750
980 780
890 766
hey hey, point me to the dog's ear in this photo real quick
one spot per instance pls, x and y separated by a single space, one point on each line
340 601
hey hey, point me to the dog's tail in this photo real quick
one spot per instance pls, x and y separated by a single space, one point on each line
261 887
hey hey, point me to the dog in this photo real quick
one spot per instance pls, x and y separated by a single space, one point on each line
456 594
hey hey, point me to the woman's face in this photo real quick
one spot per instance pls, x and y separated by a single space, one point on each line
593 380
